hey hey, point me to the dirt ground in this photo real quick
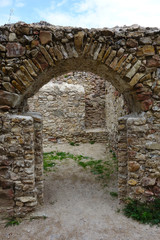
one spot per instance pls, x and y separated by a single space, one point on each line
78 207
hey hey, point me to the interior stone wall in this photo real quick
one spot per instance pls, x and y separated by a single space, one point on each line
63 109
115 107
75 112
94 96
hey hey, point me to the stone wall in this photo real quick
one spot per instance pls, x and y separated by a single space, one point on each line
63 109
21 164
33 54
139 170
78 113
94 96
115 107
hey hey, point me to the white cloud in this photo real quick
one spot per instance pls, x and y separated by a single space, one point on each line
54 5
105 13
56 18
19 3
110 13
61 3
5 3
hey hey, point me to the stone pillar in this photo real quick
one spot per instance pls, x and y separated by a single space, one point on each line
137 130
139 157
23 169
19 159
6 164
21 163
122 158
38 151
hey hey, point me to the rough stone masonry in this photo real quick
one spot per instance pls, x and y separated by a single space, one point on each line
79 107
31 55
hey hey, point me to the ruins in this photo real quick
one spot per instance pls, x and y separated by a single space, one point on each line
33 54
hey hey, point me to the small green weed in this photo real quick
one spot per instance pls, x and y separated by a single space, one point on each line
103 169
47 162
74 144
147 212
114 194
12 221
92 142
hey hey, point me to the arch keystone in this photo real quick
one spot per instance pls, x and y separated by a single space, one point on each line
78 40
45 37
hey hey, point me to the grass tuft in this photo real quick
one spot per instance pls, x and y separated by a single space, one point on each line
12 221
146 212
114 194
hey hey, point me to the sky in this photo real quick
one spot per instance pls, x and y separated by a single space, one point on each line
82 13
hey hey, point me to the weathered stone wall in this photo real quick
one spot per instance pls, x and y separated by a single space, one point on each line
139 169
63 109
21 165
129 57
94 87
115 107
74 113
125 56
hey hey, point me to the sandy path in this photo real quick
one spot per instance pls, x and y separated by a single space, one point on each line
78 207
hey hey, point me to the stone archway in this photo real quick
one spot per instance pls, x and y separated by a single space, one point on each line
83 112
31 55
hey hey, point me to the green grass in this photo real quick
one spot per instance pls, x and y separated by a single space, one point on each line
101 168
47 161
74 144
12 221
147 212
114 194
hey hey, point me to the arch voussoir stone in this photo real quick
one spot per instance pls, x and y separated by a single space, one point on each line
127 51
128 57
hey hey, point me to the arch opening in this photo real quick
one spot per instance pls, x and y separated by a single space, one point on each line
89 109
86 65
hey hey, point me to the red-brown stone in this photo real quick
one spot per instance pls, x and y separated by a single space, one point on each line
132 43
35 32
34 43
131 153
42 61
45 37
153 63
10 193
144 96
133 166
139 85
5 108
15 49
146 104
